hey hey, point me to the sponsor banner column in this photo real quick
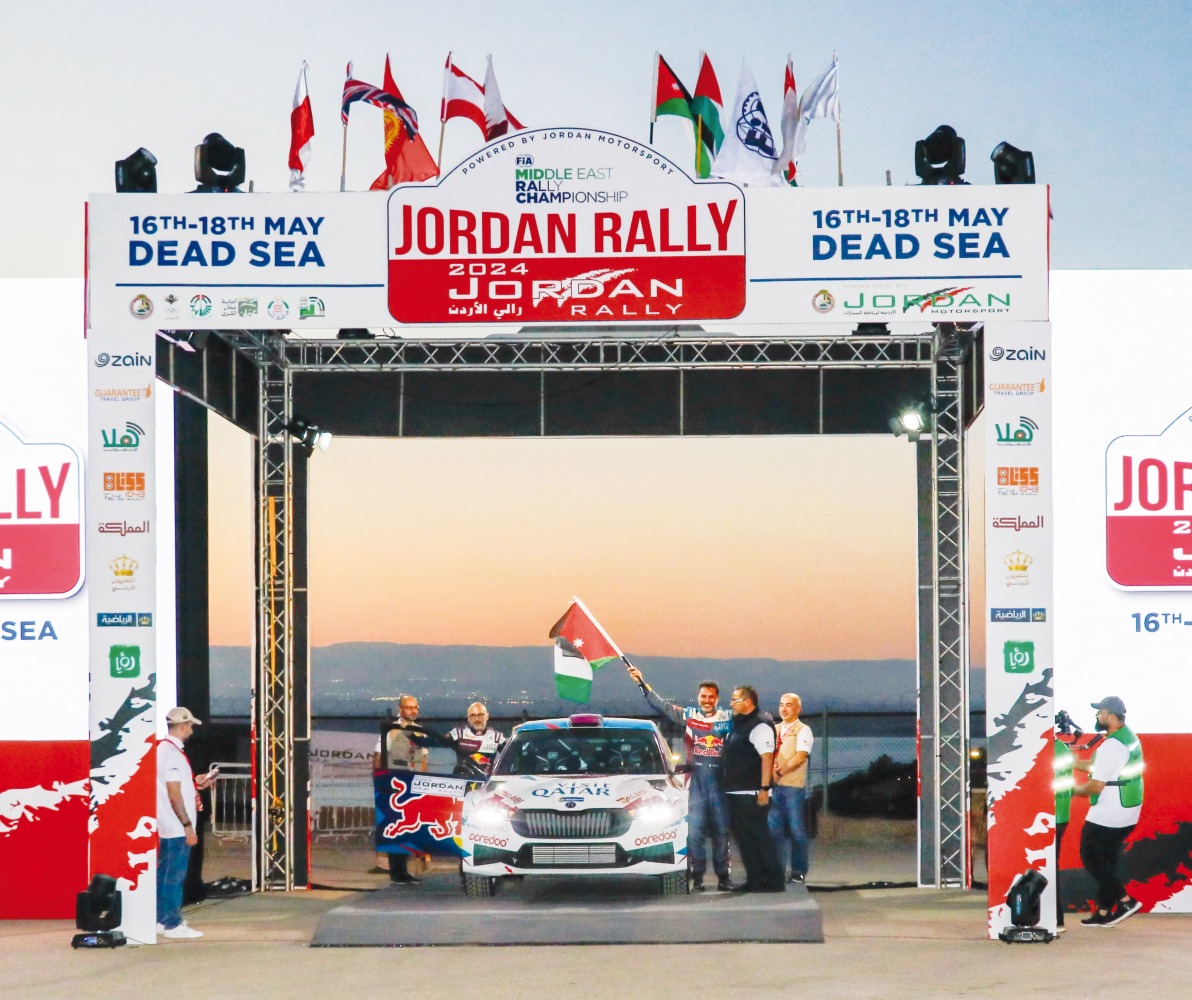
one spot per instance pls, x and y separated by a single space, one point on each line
1018 587
121 567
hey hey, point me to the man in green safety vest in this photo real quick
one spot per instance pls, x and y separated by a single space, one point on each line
1114 790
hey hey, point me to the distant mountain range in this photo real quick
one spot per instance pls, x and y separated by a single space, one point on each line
364 679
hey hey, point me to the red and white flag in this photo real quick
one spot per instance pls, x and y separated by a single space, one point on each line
302 130
406 155
787 163
497 119
463 97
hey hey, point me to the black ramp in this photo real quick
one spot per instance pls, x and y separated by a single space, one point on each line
547 910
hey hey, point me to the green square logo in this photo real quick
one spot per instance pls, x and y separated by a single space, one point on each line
1020 657
125 661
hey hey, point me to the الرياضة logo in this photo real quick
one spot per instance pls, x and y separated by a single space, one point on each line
125 661
1019 656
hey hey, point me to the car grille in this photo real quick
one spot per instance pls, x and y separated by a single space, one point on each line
568 855
587 823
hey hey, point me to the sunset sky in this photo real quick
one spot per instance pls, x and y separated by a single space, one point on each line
784 547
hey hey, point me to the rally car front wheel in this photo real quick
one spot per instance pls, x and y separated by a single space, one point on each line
482 886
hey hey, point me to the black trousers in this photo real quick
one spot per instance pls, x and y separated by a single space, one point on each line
399 867
763 870
1100 852
1060 829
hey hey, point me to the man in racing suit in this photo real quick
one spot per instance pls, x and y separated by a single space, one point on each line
705 728
476 740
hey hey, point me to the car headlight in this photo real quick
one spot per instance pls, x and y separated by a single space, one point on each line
655 811
490 814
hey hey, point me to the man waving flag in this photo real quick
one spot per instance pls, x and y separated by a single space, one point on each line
581 647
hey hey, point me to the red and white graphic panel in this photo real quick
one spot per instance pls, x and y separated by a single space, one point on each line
43 827
566 226
41 508
1148 508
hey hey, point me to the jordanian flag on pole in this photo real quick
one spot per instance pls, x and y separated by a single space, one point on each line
706 106
581 647
670 96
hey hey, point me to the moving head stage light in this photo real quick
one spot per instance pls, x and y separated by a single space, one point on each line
1024 900
98 911
1012 165
939 159
219 165
137 174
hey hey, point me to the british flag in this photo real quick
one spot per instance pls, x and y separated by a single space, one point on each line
357 90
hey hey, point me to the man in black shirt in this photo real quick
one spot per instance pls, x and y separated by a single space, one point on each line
747 760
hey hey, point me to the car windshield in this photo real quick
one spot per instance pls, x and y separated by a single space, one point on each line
582 751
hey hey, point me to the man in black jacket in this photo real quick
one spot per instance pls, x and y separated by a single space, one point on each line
747 760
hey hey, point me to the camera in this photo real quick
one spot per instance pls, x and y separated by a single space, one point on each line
1066 727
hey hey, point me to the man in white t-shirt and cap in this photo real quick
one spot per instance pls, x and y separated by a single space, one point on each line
177 808
1114 790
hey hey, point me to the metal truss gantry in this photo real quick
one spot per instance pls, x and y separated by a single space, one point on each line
281 714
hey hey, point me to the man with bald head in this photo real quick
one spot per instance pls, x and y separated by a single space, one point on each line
477 740
787 819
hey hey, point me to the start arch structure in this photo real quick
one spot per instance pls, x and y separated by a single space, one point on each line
705 308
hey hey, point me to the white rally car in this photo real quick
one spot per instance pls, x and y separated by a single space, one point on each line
578 796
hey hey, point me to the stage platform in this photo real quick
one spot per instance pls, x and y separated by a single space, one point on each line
605 910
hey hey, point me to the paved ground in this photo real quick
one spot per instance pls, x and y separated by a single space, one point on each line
888 943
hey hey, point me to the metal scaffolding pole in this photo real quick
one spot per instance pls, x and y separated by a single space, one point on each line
273 701
950 596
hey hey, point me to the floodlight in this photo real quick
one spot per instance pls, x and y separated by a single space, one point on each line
97 914
187 340
872 330
1012 165
219 165
137 173
308 436
1025 902
939 159
914 421
357 333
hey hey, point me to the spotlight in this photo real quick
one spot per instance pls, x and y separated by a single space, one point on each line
913 421
872 330
308 436
356 334
939 159
1024 900
219 165
1012 165
187 340
137 174
97 913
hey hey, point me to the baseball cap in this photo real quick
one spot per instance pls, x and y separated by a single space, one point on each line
179 715
1112 704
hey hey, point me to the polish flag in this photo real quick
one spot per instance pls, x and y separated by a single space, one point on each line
302 130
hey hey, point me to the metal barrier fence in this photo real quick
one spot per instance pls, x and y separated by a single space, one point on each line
231 802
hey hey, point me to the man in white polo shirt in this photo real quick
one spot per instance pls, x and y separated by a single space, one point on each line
1114 790
176 816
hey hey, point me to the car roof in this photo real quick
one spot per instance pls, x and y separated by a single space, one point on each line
609 723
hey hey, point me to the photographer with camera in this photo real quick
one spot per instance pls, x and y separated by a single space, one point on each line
1114 790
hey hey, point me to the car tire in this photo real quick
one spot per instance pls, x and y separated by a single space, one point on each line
674 884
480 886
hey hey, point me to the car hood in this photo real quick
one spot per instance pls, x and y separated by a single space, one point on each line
566 793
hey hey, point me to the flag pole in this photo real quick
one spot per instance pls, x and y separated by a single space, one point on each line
839 161
699 140
343 168
654 97
443 111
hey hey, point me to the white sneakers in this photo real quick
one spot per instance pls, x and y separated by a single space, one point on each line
183 931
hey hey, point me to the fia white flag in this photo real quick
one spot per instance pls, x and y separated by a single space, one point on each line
748 154
820 100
